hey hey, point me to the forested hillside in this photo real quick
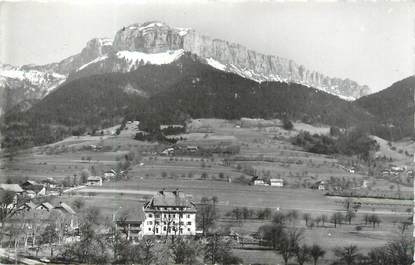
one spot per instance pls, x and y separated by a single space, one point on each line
170 93
393 109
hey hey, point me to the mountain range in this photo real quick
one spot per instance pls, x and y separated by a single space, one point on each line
154 72
158 43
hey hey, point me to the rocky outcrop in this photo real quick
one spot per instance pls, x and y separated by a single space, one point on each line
155 37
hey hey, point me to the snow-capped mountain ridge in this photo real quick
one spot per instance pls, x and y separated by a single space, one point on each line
158 43
156 37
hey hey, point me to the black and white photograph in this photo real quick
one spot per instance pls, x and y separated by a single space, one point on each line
207 132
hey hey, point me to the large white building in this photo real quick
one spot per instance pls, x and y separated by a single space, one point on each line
169 213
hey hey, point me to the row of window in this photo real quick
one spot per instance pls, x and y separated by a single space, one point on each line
170 230
167 215
165 223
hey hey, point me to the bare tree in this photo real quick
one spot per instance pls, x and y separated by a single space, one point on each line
316 252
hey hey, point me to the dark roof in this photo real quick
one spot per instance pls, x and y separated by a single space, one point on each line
170 198
131 215
46 205
65 208
33 187
174 199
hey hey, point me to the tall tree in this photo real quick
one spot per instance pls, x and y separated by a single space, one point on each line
316 253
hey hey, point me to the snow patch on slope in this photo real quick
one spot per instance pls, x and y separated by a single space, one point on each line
101 58
134 58
212 62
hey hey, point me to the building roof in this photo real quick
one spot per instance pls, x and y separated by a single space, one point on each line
49 181
46 205
94 178
30 182
131 215
169 199
65 208
11 187
276 180
34 187
30 205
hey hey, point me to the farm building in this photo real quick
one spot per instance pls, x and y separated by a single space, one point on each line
94 181
169 213
33 189
276 182
192 148
110 174
257 181
319 185
167 151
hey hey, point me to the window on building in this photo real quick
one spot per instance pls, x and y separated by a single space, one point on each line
157 222
149 222
189 223
157 230
150 215
188 229
157 215
149 229
181 215
188 216
164 228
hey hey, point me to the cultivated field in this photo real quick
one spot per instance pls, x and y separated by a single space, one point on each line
265 150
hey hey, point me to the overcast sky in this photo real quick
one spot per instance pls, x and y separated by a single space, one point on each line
371 43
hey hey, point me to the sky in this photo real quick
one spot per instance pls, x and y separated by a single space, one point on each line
371 43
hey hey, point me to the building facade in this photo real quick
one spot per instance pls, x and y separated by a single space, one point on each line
169 213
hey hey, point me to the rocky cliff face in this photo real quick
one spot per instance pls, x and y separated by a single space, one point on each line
156 37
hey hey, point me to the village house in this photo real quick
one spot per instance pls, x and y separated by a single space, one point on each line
110 174
257 181
33 189
67 217
94 181
192 148
319 185
169 213
167 151
276 182
50 183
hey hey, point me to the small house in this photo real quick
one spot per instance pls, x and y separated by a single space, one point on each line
167 151
94 181
257 181
110 174
33 189
319 185
192 148
276 182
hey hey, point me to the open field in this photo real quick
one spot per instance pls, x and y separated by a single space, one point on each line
264 148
